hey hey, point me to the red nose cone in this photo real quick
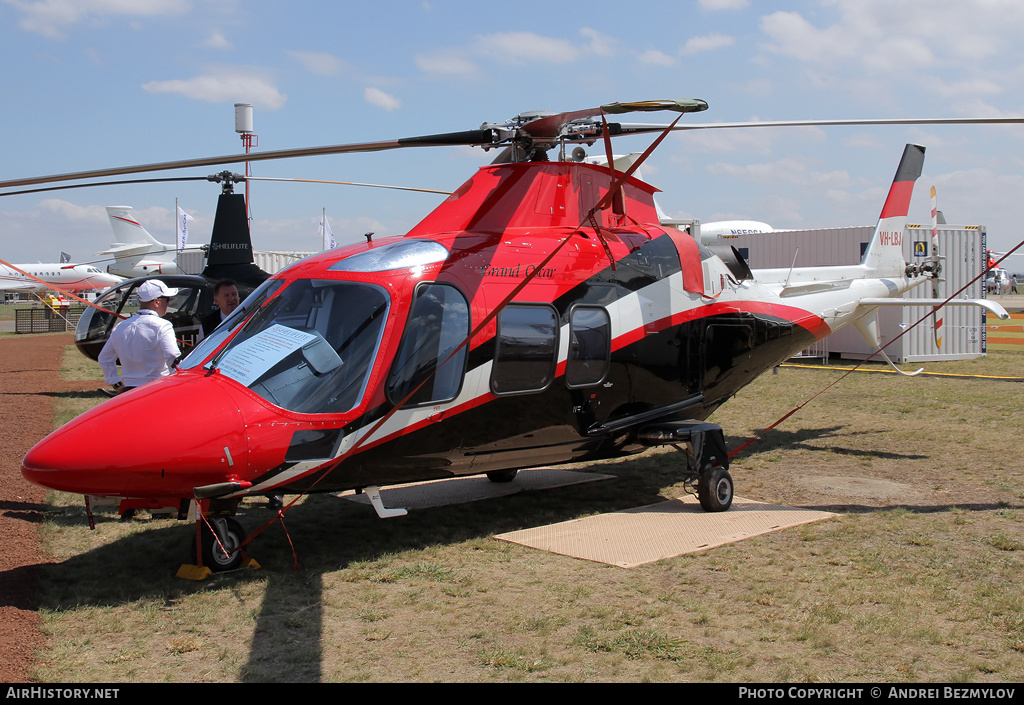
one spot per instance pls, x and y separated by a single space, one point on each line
163 439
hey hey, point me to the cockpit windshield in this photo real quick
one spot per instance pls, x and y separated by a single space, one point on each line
214 340
310 349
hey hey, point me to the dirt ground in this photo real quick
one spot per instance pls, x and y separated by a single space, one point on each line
29 381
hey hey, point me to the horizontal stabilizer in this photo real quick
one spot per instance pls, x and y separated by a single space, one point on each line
987 304
121 249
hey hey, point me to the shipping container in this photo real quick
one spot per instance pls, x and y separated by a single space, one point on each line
963 246
269 262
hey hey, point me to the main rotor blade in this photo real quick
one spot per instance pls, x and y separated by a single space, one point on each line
551 125
472 137
640 128
105 183
348 183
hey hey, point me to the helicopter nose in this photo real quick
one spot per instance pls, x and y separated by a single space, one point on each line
162 439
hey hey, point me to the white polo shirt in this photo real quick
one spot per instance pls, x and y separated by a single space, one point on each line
146 347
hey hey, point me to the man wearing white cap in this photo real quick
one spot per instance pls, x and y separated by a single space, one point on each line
144 344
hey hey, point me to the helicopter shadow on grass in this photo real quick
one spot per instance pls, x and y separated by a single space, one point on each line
804 439
329 534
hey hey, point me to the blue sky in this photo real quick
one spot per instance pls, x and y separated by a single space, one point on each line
103 83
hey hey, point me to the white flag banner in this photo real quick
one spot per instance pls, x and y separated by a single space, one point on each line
183 220
327 234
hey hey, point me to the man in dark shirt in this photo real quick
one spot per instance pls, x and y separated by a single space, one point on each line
225 295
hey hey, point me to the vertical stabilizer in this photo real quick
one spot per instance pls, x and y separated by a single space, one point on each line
230 255
127 230
884 256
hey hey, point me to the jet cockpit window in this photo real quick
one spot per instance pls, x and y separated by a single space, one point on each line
524 360
311 348
438 324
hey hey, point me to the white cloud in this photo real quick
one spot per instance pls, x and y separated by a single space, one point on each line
733 140
525 48
519 49
696 45
656 58
320 63
52 18
375 96
895 36
796 37
600 44
69 212
724 4
226 85
447 63
218 41
786 170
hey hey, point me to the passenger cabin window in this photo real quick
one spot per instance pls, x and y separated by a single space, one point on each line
438 324
525 355
589 346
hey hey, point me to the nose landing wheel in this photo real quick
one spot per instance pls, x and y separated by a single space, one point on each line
220 548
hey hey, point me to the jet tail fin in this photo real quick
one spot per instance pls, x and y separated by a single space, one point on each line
127 230
884 256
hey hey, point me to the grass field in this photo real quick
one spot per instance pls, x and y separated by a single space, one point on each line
917 579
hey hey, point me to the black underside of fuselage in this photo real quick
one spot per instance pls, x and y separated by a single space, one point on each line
705 361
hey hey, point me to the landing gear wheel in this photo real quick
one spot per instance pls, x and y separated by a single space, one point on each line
231 535
502 475
714 489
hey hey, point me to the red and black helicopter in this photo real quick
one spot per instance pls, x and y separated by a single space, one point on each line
541 314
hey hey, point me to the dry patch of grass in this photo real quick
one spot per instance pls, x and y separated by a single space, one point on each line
916 580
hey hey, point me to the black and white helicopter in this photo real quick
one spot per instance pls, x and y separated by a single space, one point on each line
540 314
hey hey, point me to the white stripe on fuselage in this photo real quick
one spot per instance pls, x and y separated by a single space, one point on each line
655 302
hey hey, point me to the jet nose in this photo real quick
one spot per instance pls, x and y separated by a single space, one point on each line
162 439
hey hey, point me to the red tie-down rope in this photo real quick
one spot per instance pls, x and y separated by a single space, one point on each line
989 266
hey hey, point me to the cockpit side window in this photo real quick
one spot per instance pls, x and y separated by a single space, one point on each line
438 324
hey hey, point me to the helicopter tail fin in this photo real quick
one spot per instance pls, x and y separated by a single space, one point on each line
884 256
230 255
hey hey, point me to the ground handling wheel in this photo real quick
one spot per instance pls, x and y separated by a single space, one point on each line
221 552
714 489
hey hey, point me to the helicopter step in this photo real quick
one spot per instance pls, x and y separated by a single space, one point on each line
707 461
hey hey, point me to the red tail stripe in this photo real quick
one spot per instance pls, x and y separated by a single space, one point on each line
898 201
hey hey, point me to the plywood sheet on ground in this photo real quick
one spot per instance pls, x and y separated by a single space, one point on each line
664 530
439 493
